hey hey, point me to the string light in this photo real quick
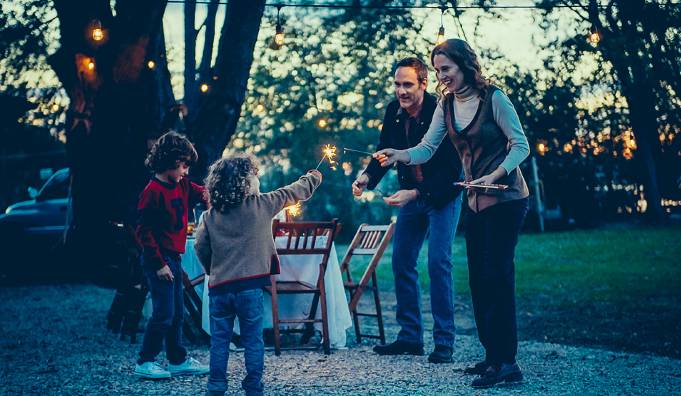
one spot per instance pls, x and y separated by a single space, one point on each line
541 147
97 33
204 88
55 107
279 36
151 64
91 65
322 123
260 107
595 35
441 32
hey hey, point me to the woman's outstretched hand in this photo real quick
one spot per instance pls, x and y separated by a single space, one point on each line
388 157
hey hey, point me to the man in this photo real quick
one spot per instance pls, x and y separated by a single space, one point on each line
428 201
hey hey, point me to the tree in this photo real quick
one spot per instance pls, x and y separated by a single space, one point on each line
120 93
638 55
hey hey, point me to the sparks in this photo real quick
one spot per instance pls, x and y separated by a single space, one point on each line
293 210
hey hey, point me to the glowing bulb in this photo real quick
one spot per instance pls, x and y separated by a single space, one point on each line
204 87
541 147
151 64
55 107
440 36
595 35
97 33
279 37
91 65
260 107
322 123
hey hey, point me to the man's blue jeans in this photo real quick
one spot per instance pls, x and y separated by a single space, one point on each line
414 221
167 318
249 307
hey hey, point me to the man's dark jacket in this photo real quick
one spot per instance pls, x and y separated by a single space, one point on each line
439 173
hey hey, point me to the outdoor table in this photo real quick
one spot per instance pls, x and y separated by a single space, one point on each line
294 267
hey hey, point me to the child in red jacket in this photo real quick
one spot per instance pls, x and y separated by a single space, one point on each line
162 230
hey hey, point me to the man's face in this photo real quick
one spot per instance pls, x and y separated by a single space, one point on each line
408 88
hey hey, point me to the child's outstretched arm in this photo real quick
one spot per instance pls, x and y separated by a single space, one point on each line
301 190
202 247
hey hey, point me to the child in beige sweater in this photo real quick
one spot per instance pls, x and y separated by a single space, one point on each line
235 246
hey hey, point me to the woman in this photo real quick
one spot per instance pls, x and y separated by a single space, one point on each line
483 125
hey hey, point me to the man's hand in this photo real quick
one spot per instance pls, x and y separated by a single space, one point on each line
165 274
401 197
387 157
360 185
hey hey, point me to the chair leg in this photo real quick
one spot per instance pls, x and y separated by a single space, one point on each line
275 317
325 319
355 318
379 313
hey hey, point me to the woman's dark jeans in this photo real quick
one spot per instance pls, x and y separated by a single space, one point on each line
491 237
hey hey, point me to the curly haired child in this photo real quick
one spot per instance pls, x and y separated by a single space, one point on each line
235 246
162 230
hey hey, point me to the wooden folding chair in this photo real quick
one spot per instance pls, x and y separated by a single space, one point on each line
302 240
193 305
368 241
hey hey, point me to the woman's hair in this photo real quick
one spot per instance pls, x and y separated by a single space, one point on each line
227 181
463 55
171 149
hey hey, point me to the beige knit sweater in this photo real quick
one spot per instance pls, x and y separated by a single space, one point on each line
238 244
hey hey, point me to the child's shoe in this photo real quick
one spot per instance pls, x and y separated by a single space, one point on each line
190 366
151 370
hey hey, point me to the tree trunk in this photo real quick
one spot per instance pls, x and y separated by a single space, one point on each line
215 119
190 83
116 105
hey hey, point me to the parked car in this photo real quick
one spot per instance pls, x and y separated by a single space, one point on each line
30 230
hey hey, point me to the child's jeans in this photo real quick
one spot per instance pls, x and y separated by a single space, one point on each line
248 306
166 320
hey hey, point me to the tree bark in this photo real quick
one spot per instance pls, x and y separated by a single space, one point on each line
215 119
116 106
190 85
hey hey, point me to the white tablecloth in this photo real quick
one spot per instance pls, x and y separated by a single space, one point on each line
304 268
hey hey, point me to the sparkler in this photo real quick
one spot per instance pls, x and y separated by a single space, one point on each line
329 152
293 210
357 151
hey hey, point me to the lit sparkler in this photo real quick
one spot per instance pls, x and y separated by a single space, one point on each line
293 210
329 152
356 151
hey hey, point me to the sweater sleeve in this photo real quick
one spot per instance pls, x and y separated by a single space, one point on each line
147 213
507 119
431 140
301 190
196 195
202 246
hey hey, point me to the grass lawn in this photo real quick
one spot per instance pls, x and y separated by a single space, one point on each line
618 287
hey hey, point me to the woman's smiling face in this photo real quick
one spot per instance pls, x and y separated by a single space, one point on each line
448 72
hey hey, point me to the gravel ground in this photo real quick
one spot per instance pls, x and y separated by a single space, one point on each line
54 342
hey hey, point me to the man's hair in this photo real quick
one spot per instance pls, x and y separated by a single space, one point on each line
459 52
417 64
227 182
170 149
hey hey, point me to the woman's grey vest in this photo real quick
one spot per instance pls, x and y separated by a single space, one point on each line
482 147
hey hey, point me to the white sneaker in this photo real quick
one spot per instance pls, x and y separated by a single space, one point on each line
151 370
190 366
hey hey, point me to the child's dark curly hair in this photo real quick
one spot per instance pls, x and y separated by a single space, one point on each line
171 149
227 182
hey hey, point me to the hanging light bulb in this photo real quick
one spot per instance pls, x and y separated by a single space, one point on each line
97 33
91 65
595 35
204 88
151 64
279 36
260 107
440 36
441 32
55 107
322 123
